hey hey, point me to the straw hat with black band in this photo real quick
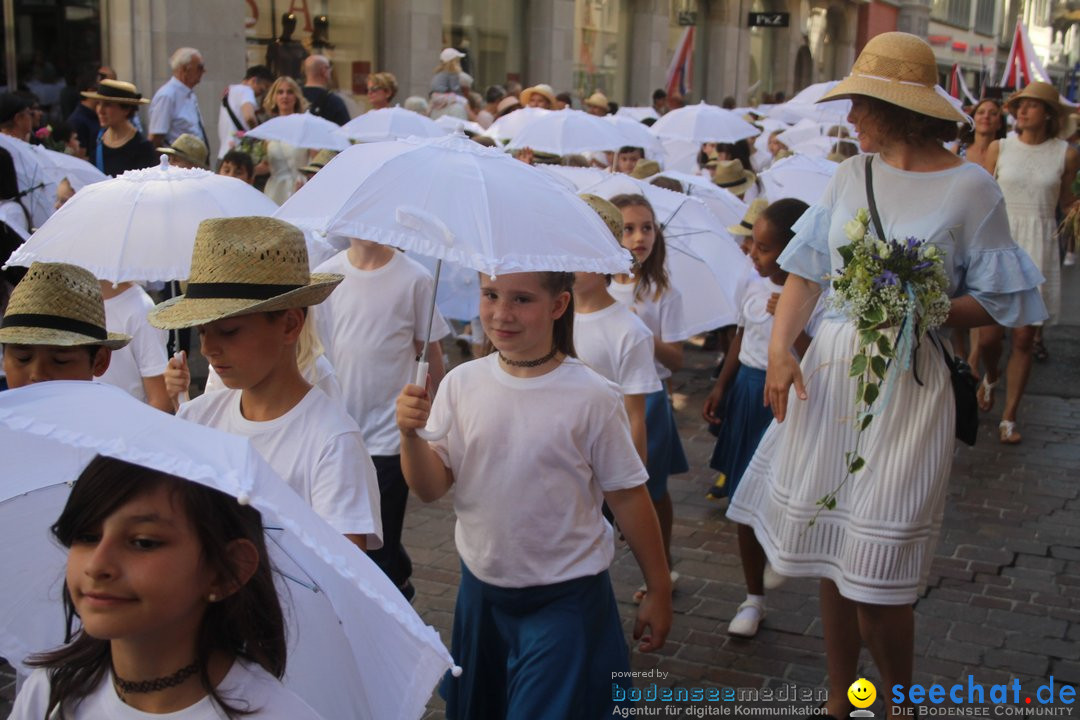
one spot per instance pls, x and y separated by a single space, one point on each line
116 91
244 265
58 304
900 69
732 176
1044 93
190 148
745 228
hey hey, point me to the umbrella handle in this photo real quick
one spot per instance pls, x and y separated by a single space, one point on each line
431 434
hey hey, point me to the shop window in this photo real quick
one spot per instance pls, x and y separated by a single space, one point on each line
490 35
601 29
984 16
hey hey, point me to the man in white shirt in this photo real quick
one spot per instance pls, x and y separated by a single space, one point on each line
239 105
175 108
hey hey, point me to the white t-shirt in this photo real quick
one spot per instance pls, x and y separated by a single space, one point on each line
615 343
664 317
321 374
246 685
144 356
751 299
315 447
239 94
368 326
531 458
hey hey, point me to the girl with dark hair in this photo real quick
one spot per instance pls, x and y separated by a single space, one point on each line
974 142
537 442
735 400
650 294
175 606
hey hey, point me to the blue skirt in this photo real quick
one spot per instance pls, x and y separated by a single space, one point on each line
547 652
745 420
666 456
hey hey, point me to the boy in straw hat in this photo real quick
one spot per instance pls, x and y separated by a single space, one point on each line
248 296
733 177
54 327
372 327
187 151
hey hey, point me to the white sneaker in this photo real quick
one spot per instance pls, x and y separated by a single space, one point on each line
747 618
1070 259
772 578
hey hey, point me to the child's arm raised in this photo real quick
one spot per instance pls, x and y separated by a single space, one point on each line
637 520
424 471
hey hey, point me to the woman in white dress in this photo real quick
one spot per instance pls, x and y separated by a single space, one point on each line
1035 170
873 550
283 160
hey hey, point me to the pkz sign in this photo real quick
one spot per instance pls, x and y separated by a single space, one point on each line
764 19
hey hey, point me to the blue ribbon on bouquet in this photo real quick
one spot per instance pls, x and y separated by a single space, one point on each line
903 351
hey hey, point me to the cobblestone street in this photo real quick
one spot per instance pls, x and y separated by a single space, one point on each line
1003 600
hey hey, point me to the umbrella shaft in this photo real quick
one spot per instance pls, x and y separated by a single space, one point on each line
431 314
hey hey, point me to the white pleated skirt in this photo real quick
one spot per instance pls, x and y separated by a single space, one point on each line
877 544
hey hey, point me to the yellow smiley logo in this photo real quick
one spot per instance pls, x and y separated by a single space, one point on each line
862 693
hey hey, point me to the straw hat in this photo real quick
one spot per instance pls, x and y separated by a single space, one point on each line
598 99
746 227
244 265
116 91
319 161
898 68
730 175
610 214
541 89
190 148
1044 92
58 304
506 103
645 169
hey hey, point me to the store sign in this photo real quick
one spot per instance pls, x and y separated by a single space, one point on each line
777 19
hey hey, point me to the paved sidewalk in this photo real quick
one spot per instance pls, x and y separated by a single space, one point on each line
1004 595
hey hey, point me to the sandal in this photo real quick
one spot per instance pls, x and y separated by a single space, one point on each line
1007 433
984 394
1038 351
639 594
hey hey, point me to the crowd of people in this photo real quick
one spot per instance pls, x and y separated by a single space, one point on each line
562 428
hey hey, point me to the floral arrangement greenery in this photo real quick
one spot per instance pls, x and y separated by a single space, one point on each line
895 292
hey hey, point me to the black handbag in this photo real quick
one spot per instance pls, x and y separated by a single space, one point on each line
960 374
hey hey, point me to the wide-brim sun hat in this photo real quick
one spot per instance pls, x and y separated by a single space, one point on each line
745 228
598 100
611 215
116 91
58 304
545 90
1043 92
644 169
244 265
900 69
190 148
732 176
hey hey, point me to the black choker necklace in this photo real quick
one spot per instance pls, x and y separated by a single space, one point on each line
162 683
529 363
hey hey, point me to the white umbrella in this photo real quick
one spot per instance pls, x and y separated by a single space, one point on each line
356 646
32 179
390 124
805 105
575 178
637 113
681 155
568 132
637 135
458 293
302 130
452 199
729 209
450 124
798 176
704 123
511 124
57 166
704 261
141 225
